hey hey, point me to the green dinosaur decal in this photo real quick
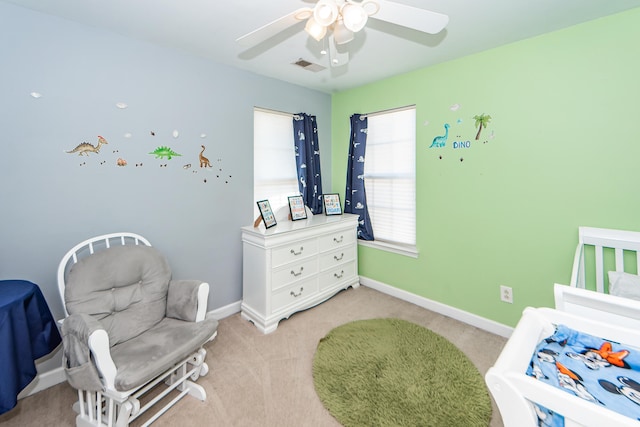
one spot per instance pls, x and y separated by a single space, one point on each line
162 152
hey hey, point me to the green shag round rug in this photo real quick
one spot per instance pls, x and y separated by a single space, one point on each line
390 372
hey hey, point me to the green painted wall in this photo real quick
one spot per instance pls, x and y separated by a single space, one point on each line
565 152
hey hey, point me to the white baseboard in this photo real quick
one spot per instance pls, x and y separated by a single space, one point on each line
43 381
226 311
446 310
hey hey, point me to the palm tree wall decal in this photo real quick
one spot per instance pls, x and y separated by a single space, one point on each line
481 122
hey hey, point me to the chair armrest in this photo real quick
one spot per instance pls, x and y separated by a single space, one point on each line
99 345
187 300
82 332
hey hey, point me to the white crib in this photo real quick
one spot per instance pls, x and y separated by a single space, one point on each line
595 313
614 248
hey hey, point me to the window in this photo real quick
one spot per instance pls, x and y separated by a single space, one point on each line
390 177
274 165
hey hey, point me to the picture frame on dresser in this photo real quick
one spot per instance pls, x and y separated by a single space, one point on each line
332 204
266 213
297 208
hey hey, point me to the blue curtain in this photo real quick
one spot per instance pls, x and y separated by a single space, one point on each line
355 196
305 136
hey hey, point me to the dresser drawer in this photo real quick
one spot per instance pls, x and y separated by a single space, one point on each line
337 257
338 274
337 239
297 270
293 251
293 294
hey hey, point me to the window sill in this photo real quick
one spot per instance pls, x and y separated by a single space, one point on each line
406 250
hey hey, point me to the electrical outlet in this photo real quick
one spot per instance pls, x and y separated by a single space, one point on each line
506 294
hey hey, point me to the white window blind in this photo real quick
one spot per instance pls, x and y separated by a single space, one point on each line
390 175
274 165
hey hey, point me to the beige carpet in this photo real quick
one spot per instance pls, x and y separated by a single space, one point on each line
265 380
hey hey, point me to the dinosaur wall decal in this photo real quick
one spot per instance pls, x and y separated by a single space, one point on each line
85 148
440 141
162 152
204 162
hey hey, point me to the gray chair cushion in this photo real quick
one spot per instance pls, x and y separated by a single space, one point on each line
124 287
169 342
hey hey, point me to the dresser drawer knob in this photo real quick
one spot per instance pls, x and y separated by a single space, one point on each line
338 241
297 253
293 294
339 259
298 273
338 276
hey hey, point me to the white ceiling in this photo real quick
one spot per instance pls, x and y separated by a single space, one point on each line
208 28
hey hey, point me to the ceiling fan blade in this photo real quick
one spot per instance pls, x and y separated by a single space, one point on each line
336 59
422 20
271 29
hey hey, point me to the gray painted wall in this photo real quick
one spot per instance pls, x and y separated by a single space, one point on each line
51 200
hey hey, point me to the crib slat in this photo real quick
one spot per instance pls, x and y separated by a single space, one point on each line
619 259
599 269
577 272
583 271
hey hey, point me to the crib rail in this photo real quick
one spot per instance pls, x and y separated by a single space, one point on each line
514 391
603 241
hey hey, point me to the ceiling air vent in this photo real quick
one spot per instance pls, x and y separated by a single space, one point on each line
302 63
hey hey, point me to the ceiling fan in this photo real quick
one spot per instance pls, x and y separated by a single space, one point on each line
339 20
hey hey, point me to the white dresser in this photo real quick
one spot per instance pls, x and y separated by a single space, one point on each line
296 265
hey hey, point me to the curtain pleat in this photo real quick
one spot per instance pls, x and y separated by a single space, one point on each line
355 195
305 136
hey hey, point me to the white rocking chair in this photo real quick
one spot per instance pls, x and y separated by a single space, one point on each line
128 328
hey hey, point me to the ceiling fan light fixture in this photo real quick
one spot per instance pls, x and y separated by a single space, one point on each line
371 7
354 17
325 12
314 29
324 51
341 33
303 13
